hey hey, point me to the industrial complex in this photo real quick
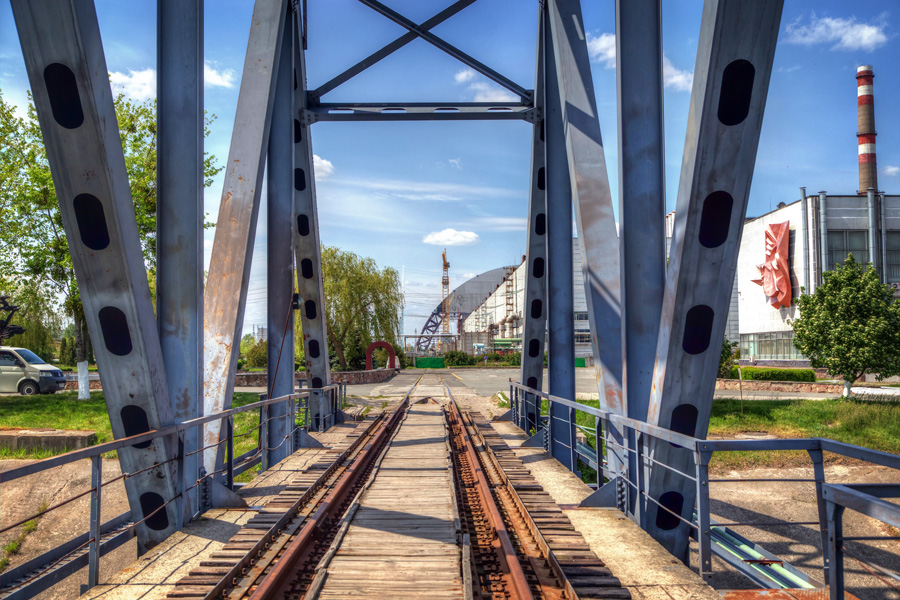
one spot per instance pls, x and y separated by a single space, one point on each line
820 230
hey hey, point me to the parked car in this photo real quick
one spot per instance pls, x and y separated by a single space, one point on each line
25 372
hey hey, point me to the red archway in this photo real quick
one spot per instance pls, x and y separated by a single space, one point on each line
392 361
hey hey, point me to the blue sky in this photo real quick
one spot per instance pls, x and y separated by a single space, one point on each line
401 192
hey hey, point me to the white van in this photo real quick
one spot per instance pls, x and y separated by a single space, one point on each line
25 372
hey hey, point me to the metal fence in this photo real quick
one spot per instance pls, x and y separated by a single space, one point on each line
40 573
625 457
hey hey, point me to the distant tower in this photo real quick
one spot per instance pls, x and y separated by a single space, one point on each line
445 304
868 175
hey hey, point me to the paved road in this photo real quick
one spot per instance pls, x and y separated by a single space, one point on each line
487 382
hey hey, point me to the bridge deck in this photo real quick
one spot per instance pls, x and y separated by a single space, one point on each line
402 541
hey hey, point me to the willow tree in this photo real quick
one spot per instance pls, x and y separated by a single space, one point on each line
362 301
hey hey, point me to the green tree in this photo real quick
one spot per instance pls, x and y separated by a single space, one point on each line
726 358
850 325
33 245
257 356
362 302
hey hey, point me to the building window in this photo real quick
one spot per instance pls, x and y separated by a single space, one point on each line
581 316
778 345
843 242
582 338
892 256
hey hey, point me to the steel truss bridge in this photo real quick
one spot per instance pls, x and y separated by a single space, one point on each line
656 331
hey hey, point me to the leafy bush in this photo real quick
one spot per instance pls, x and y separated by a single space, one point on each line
494 357
772 374
457 358
514 359
726 357
257 356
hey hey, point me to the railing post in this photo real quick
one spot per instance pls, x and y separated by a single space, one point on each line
264 437
292 411
819 475
704 532
598 445
94 549
835 514
229 449
640 508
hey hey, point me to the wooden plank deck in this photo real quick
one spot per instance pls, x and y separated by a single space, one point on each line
402 541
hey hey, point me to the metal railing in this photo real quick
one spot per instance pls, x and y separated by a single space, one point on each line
42 572
625 457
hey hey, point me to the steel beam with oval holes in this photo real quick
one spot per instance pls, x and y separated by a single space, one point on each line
307 253
591 197
229 266
731 81
70 82
535 308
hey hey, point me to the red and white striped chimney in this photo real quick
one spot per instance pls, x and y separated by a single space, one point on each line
868 174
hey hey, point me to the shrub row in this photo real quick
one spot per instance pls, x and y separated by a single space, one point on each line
771 374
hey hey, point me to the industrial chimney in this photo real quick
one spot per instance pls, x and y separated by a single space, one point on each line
868 177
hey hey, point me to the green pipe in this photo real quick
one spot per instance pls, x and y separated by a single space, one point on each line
800 583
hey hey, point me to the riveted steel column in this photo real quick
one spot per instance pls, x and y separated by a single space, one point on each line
642 193
734 62
280 256
642 200
229 266
591 195
535 307
560 278
307 251
179 218
69 79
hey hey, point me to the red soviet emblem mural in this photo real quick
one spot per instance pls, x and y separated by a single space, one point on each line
774 274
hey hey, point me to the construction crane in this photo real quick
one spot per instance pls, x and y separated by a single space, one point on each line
445 303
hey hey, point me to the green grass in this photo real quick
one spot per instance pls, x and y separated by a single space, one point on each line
64 411
873 425
14 545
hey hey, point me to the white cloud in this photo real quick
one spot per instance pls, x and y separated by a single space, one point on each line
844 33
891 170
676 79
464 76
427 190
602 49
322 167
455 162
215 78
468 275
502 223
140 85
484 91
451 237
489 92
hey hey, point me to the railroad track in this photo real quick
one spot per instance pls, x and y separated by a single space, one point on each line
424 502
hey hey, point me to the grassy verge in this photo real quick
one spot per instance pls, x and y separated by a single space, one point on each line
873 425
14 545
64 411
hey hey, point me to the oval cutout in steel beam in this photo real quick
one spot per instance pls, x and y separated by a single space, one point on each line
736 92
697 329
62 91
152 507
715 219
91 221
134 421
114 326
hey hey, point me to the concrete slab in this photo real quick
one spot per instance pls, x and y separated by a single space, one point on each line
57 440
640 563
